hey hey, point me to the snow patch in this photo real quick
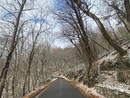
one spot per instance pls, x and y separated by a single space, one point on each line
110 57
64 77
88 92
116 86
91 90
111 82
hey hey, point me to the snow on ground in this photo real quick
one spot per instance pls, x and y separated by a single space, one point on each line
91 90
38 90
113 55
53 79
112 83
116 86
88 92
64 77
110 57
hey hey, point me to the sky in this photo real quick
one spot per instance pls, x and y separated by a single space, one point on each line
46 5
58 40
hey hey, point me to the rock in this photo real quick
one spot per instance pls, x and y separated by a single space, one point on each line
123 76
111 93
120 64
106 65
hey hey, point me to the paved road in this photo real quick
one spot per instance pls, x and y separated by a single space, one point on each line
60 89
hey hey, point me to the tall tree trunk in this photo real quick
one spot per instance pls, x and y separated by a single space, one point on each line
4 47
85 44
9 56
14 73
27 75
125 23
123 14
113 31
112 42
84 38
127 8
7 89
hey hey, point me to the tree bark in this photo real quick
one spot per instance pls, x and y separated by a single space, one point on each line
84 42
13 45
4 47
27 76
125 23
112 42
113 31
127 8
122 14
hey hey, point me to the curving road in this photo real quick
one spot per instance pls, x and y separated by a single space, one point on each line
60 89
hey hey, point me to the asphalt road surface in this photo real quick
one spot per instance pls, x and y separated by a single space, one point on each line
60 89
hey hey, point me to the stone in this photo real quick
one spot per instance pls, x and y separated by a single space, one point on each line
123 76
111 93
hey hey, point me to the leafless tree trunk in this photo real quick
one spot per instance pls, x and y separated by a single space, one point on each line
124 16
75 19
113 31
125 24
127 8
4 47
84 40
12 47
27 76
35 34
112 42
14 74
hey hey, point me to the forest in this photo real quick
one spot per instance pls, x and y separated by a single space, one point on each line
42 39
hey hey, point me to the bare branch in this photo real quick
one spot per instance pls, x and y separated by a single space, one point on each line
8 11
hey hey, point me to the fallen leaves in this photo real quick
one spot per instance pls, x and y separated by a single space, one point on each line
86 92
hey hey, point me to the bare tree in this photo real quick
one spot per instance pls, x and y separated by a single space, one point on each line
75 30
12 47
37 30
4 47
121 9
111 41
127 9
